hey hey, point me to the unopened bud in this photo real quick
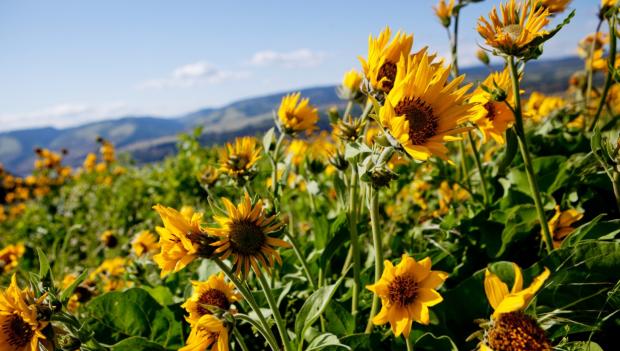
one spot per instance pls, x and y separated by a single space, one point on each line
333 114
483 57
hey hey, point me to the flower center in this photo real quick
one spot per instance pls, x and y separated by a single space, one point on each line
491 111
422 121
18 332
513 31
212 297
246 238
388 70
516 331
237 162
403 290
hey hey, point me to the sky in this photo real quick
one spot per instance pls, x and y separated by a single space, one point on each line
65 63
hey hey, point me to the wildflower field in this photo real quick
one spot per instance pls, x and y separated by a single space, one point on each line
433 214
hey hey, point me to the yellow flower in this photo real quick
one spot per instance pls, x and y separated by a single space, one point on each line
539 106
351 83
576 123
20 330
423 109
10 255
108 239
244 234
517 27
381 66
239 158
110 273
89 162
494 117
297 115
608 3
215 292
208 176
515 331
179 239
107 151
443 11
407 290
518 298
209 333
144 243
297 150
554 6
584 47
560 225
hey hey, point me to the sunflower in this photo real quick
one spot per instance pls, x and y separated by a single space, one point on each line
560 225
208 176
110 274
209 333
422 110
108 239
89 162
540 106
297 115
495 116
181 239
443 11
554 6
144 243
20 329
239 158
518 298
407 290
381 66
215 292
517 27
244 234
10 255
351 84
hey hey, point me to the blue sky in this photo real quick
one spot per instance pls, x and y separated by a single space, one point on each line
64 63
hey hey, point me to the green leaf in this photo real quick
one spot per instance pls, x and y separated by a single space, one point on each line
44 264
269 139
339 233
519 221
428 341
66 294
136 344
339 319
314 307
325 340
363 342
581 346
134 312
509 152
551 173
593 230
161 294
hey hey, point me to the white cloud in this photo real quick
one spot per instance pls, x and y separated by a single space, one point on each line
193 74
291 59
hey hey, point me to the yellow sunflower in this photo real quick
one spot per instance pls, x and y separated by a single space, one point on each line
90 161
518 298
20 330
494 117
297 115
108 239
208 176
540 106
179 239
351 84
244 234
209 333
554 6
560 225
517 27
10 255
407 290
381 66
110 274
144 243
443 11
239 158
423 109
215 292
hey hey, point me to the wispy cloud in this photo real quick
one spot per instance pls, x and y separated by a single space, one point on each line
290 59
193 74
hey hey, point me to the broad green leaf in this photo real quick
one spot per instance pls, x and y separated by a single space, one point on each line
339 319
518 221
44 264
428 341
325 340
136 344
314 307
550 173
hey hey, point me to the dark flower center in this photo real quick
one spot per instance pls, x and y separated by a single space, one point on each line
237 162
422 122
246 238
388 70
516 331
491 110
212 297
18 333
403 290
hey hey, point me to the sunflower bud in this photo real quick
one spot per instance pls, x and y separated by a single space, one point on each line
379 176
339 161
314 166
349 129
483 57
333 114
69 342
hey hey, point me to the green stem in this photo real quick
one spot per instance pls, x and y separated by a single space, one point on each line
376 239
352 214
249 298
409 344
240 340
347 110
610 71
274 165
527 160
300 256
590 71
261 329
276 311
483 180
615 182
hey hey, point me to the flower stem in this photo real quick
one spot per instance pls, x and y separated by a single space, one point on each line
352 214
274 165
590 70
527 160
249 298
240 340
483 180
610 71
300 257
276 311
409 344
374 223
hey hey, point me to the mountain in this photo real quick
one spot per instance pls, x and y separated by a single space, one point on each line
150 139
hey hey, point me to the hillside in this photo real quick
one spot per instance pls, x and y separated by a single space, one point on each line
150 138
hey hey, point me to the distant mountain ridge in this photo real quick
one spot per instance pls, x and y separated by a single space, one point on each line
150 138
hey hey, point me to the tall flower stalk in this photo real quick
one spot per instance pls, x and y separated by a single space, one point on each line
376 240
610 70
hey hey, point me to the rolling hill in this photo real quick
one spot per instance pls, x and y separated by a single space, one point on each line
150 138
